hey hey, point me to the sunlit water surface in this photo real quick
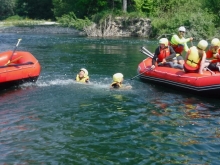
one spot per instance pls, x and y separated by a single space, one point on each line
59 121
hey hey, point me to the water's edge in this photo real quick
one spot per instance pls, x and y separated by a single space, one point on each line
42 29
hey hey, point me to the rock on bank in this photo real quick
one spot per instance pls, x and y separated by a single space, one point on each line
121 27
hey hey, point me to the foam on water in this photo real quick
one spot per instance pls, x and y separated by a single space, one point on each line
98 84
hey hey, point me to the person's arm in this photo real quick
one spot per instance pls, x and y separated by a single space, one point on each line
202 64
154 59
172 53
176 40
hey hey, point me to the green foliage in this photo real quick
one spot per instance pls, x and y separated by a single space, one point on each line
145 6
102 16
201 25
35 9
213 6
81 8
136 15
70 20
167 18
99 17
6 8
19 21
200 17
14 18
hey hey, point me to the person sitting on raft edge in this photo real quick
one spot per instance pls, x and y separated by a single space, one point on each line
117 82
195 58
82 76
163 54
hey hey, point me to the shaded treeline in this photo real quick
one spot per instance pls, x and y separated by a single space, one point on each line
201 17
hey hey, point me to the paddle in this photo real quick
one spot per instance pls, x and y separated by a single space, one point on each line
142 51
146 52
191 43
210 70
27 63
143 48
140 73
16 59
9 61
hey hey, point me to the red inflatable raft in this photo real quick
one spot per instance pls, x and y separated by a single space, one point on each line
23 67
207 84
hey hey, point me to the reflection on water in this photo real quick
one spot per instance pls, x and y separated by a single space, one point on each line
59 121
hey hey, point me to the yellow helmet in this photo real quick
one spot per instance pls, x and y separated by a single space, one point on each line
117 77
85 71
215 42
164 41
202 44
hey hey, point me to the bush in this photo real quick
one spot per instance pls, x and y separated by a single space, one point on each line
99 18
70 20
199 23
14 18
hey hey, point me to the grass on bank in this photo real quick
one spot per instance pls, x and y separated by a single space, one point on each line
20 21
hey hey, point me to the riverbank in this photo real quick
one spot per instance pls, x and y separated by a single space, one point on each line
40 27
110 27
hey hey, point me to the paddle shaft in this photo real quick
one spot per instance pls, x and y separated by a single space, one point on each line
191 42
15 49
146 52
210 71
140 74
142 51
143 48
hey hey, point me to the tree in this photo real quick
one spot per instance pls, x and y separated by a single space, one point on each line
124 8
6 8
35 9
213 6
171 14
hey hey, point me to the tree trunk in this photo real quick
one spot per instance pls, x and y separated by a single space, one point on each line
124 6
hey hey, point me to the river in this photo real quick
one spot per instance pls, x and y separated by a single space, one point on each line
59 121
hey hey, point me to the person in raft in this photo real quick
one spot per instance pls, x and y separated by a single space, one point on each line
214 54
163 53
179 44
82 76
117 82
195 58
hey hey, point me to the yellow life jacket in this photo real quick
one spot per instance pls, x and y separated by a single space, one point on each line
84 79
116 85
193 58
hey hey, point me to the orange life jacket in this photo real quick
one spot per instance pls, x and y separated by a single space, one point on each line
163 54
209 54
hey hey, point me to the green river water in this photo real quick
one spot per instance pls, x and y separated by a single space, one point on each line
59 121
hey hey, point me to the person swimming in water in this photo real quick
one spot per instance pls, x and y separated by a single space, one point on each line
117 82
82 76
